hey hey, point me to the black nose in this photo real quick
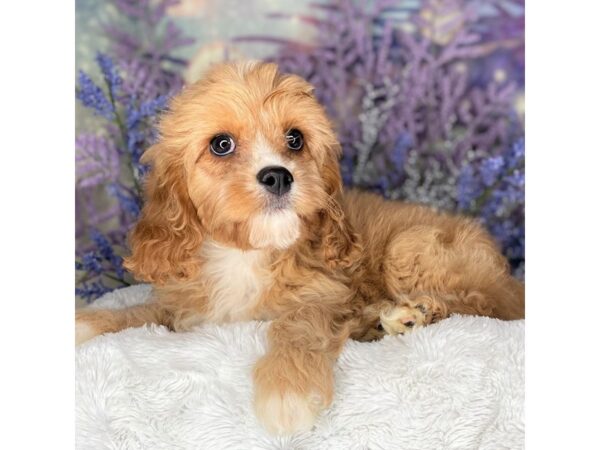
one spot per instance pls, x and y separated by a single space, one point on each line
277 180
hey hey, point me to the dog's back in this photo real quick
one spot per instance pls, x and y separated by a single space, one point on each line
420 250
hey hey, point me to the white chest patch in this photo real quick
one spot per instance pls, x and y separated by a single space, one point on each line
235 279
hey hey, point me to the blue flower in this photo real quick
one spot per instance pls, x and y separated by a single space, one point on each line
468 187
111 75
400 151
103 252
117 265
517 179
134 85
496 185
102 244
91 262
93 97
147 109
91 291
140 134
127 202
514 192
135 144
516 155
491 169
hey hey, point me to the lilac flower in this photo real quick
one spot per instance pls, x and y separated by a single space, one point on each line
138 78
516 156
102 259
106 250
147 109
97 160
400 150
109 71
102 244
91 291
499 201
90 262
93 97
468 188
140 128
129 202
424 107
490 169
147 59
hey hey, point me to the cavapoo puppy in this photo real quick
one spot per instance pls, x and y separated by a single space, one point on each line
245 219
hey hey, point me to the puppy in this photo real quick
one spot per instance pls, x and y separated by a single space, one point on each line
245 219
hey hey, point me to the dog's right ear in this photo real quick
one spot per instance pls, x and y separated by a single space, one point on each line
165 241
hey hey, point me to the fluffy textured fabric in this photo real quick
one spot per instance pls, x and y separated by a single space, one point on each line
458 384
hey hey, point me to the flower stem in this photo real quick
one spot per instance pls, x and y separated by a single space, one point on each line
123 131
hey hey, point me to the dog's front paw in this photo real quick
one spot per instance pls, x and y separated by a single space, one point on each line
285 401
284 412
83 332
86 326
411 312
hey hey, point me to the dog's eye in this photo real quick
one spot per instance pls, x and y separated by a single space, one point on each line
294 139
222 144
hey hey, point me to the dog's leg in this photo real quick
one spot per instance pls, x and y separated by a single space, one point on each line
433 272
93 322
294 380
419 309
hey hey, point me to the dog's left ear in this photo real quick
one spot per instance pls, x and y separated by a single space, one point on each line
341 244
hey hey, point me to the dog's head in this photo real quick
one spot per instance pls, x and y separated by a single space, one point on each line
246 157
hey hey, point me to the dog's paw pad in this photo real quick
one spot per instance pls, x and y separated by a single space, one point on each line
407 315
404 318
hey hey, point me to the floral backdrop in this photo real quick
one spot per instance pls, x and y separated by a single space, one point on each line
427 97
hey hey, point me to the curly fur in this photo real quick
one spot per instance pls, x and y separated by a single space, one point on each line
325 267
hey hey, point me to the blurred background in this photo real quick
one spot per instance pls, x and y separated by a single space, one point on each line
427 97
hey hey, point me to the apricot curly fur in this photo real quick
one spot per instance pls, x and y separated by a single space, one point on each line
326 263
168 234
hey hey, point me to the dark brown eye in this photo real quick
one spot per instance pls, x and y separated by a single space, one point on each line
294 139
222 144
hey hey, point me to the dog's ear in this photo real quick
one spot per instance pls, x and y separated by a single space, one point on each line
165 241
341 245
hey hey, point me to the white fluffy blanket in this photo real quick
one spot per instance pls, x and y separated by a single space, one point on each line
458 384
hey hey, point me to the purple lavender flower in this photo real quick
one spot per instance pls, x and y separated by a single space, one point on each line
130 202
90 262
139 122
93 290
499 200
93 97
516 156
468 188
147 59
490 169
102 244
109 71
97 160
146 109
400 150
138 78
424 107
